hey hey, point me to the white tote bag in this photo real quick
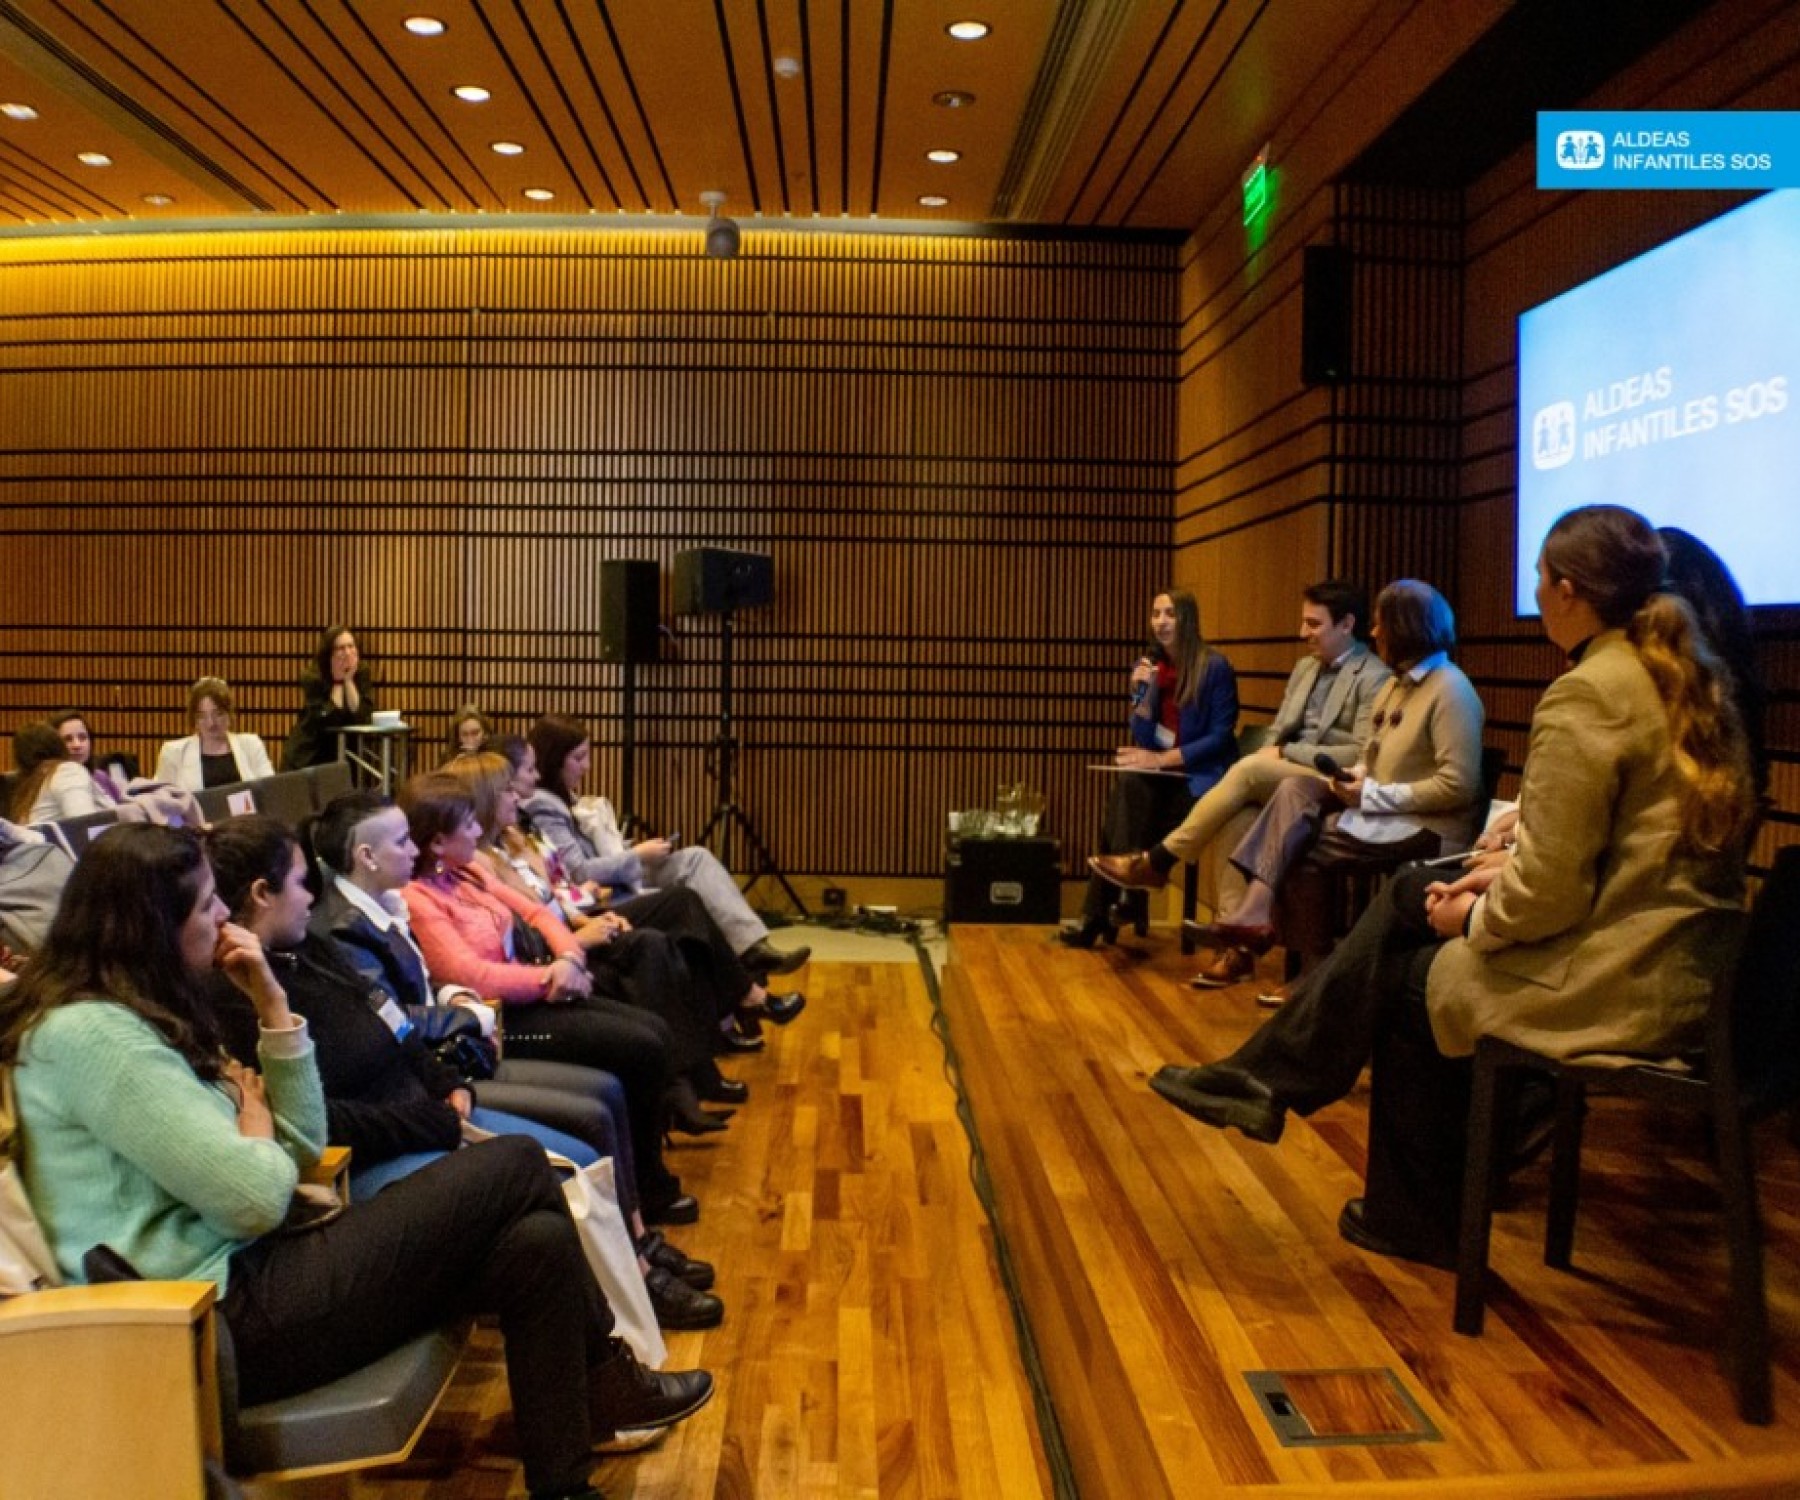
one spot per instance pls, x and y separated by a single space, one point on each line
612 1256
594 1206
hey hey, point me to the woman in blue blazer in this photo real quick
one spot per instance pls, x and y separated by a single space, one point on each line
1183 726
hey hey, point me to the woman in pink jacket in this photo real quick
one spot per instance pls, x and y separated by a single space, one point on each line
474 931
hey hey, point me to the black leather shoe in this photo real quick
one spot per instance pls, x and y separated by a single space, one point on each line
685 1113
764 959
683 1209
679 1306
1223 1095
724 1091
1086 934
781 1009
1352 1228
735 1039
660 1253
622 1393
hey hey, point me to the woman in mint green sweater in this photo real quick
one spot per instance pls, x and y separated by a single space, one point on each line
139 1134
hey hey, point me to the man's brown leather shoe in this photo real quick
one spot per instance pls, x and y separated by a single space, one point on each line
1232 966
1132 872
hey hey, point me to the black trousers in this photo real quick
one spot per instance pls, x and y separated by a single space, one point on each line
484 1230
633 1045
1366 1003
1140 811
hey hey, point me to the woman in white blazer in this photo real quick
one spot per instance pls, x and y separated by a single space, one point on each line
212 755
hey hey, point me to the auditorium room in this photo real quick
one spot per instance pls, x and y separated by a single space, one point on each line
925 749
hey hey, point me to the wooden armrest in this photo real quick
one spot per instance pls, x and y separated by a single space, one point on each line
113 1303
331 1170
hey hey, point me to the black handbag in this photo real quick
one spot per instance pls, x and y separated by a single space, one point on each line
453 1036
529 946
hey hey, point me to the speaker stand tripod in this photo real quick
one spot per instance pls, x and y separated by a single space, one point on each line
726 814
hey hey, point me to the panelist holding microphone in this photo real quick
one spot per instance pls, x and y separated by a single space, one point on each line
1181 724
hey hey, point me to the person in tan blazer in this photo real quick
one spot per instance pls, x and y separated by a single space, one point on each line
1595 936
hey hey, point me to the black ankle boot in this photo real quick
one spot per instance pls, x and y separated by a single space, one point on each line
623 1394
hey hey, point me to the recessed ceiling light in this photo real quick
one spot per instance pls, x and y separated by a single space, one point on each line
539 195
93 158
933 200
424 25
968 31
943 155
18 111
507 148
953 99
471 93
158 200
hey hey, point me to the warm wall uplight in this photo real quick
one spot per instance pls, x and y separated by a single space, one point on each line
507 148
933 200
953 99
943 156
93 158
968 31
424 25
539 195
18 111
471 93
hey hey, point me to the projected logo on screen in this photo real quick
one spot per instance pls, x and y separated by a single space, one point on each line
1553 435
1580 150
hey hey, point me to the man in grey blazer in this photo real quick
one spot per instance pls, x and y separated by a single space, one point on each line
1326 706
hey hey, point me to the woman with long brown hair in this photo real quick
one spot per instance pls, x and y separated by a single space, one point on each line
1183 728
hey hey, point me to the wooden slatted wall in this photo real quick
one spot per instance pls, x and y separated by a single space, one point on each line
957 451
1524 247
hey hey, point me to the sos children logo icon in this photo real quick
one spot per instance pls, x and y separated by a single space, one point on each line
1553 435
1580 150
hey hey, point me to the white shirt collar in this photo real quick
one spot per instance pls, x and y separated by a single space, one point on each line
1420 669
385 911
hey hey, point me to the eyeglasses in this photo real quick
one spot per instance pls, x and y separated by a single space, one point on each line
220 716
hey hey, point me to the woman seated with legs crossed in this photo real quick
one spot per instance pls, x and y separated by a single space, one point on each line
139 1134
525 856
664 963
562 749
391 1102
1596 936
1410 795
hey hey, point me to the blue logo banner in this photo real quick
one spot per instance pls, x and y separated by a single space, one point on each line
1683 148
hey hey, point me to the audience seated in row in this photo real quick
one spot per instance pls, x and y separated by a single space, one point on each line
140 1134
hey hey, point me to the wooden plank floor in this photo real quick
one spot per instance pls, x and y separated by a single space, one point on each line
867 1350
1161 1259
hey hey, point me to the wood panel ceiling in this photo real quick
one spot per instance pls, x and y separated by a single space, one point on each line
1115 114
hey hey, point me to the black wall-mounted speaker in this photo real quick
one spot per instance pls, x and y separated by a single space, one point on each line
711 580
628 610
1325 307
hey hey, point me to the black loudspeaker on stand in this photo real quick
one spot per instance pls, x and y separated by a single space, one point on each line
629 635
713 580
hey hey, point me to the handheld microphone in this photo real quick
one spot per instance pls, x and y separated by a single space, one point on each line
1330 767
1141 690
